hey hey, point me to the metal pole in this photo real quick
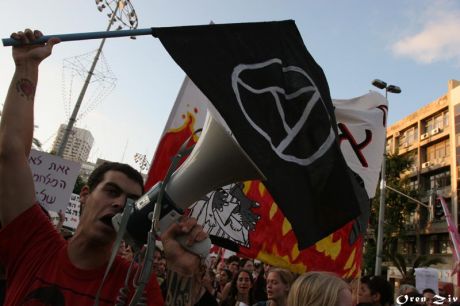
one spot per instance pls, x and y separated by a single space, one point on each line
9 42
73 117
409 197
379 251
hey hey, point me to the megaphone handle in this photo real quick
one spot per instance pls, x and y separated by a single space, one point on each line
199 248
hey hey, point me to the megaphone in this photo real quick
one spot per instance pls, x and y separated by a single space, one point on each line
216 160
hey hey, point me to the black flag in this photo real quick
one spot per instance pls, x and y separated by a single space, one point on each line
275 99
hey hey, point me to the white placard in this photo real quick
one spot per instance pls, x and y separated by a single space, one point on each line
54 179
72 213
426 278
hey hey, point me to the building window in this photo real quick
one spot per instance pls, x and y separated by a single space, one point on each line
438 150
413 185
388 145
411 135
408 137
439 121
444 244
440 180
446 118
407 247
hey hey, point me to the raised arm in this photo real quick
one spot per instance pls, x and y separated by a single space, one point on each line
16 127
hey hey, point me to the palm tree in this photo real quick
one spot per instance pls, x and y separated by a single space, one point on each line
407 267
37 144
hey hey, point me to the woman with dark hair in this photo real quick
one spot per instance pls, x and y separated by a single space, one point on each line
225 276
205 295
260 282
240 293
375 291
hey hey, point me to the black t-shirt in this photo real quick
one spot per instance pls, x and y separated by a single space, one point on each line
207 300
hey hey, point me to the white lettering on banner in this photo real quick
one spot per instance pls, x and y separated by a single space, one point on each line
437 299
54 179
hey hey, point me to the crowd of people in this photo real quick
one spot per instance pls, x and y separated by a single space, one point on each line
41 266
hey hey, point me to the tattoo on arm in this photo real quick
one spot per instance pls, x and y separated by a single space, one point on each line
179 289
26 89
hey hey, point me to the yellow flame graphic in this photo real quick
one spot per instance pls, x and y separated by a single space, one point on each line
350 260
329 247
281 262
295 252
273 210
262 189
286 227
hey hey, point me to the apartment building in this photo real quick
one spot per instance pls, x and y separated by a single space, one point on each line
78 146
431 136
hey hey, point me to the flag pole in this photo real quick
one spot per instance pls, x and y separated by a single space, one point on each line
9 42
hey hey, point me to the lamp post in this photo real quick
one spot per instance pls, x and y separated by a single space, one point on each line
121 11
141 160
378 259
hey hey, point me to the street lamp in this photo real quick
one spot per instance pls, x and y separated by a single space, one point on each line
378 259
142 161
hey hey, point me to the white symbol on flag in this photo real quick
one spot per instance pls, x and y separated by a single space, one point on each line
277 92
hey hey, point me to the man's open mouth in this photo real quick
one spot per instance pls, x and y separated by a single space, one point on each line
107 220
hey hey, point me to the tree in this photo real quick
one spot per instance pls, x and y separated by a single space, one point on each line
37 143
397 207
406 266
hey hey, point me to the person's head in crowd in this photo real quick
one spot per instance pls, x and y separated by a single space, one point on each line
375 290
208 279
157 257
203 289
405 289
212 261
162 266
442 291
221 265
279 283
429 294
240 289
266 268
319 289
225 277
98 175
412 298
125 251
354 287
101 198
233 264
247 264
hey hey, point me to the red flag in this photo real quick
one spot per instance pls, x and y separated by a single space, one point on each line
187 116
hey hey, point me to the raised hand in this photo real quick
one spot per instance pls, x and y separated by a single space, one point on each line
179 259
27 53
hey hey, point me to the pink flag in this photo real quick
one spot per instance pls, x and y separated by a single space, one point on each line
453 232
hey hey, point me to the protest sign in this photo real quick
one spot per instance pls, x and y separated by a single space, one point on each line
72 213
54 179
426 278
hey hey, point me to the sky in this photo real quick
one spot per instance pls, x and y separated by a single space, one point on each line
408 43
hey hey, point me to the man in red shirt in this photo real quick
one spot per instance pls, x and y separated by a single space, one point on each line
44 269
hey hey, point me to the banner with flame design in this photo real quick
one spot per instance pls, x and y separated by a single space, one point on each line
243 217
